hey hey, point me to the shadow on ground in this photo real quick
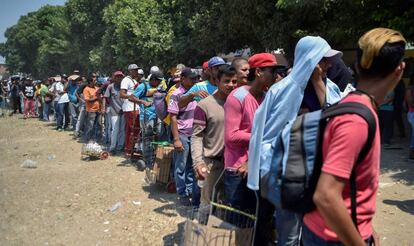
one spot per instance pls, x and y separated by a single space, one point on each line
406 206
395 161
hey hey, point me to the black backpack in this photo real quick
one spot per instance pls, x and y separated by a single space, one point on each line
304 159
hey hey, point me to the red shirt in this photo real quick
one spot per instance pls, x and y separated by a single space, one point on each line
344 138
239 112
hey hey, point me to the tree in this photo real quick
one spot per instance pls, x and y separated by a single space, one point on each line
141 32
35 45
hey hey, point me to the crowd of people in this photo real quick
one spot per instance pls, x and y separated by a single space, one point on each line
227 117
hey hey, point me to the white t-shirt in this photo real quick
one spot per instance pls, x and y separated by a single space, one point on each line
63 98
52 89
129 85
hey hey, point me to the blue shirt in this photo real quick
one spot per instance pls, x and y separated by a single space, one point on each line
202 86
141 93
72 88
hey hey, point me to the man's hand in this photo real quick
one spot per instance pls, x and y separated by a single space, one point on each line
201 171
146 104
242 170
317 75
202 94
178 146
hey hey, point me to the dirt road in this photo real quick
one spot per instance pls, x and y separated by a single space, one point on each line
66 201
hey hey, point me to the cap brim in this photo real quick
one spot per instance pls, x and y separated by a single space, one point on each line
332 53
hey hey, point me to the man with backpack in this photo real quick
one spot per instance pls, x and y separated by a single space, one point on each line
344 175
280 107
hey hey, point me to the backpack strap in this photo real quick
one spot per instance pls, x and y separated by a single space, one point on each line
364 112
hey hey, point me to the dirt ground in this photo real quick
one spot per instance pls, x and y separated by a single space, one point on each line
66 201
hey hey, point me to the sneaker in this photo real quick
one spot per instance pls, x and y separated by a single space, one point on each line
60 130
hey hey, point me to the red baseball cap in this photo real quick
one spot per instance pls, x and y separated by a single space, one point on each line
205 65
262 60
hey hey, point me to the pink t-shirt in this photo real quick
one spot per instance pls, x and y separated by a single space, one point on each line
239 112
344 138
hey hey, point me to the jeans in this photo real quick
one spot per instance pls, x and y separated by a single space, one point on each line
183 167
311 239
74 111
55 109
238 196
16 104
108 128
62 112
386 122
46 108
92 126
148 133
288 227
118 132
410 117
80 124
236 193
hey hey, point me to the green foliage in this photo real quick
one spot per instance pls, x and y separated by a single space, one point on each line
35 44
104 35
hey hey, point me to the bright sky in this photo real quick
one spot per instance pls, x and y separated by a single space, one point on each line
11 10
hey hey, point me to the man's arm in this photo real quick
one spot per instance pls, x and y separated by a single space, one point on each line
185 100
190 95
329 201
176 136
197 137
123 94
232 121
136 100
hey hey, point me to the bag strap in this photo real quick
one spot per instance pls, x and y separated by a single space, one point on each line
364 112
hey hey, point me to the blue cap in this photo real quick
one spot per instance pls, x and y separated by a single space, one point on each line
215 61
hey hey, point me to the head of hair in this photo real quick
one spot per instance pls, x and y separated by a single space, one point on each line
226 70
237 62
380 51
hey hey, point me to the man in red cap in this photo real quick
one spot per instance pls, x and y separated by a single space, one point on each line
239 110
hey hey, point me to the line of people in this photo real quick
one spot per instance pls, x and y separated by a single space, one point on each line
226 117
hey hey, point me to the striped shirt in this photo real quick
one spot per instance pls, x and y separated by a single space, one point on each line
185 116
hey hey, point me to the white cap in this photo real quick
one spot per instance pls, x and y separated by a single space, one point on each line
332 53
154 69
140 71
133 67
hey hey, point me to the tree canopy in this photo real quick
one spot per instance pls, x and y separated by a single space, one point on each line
103 35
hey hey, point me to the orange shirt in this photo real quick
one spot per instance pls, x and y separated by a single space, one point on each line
90 93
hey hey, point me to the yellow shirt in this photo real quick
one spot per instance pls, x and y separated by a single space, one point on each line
167 119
